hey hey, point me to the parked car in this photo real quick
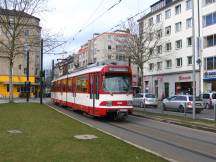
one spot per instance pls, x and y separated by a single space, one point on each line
145 99
183 102
209 99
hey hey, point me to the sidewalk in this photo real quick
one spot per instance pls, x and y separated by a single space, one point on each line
23 100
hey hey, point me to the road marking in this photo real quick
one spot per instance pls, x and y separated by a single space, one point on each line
126 141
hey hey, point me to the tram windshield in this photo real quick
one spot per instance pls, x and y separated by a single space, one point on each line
116 83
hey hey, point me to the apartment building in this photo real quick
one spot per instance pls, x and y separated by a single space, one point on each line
171 72
208 35
107 47
29 38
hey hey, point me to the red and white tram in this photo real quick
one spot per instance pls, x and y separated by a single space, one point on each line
98 91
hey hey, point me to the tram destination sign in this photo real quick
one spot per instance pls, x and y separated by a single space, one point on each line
118 69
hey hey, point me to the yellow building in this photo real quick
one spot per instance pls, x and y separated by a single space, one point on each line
30 36
18 86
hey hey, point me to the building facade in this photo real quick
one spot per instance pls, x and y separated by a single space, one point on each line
29 39
208 33
171 73
108 47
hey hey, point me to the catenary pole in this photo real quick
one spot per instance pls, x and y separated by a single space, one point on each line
41 76
194 55
27 85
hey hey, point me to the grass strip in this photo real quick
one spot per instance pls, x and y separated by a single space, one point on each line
48 136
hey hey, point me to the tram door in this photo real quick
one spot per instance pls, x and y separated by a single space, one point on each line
94 89
74 90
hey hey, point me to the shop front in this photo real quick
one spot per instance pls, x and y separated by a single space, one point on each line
172 84
209 81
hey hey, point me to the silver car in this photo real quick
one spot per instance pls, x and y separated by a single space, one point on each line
182 102
145 99
209 99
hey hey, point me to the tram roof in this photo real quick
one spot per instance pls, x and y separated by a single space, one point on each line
82 71
88 70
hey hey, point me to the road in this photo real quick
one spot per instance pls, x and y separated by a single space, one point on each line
171 141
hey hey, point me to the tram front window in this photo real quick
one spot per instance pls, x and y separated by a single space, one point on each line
116 83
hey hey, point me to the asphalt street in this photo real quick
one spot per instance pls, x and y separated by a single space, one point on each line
176 143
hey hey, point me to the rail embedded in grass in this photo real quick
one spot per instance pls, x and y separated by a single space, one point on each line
49 136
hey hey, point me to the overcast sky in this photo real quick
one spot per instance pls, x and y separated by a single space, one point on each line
67 17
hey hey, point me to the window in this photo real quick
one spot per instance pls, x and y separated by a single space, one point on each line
82 83
188 4
109 57
179 62
180 98
8 88
168 46
206 2
189 41
159 33
19 66
178 9
210 63
189 60
109 47
26 33
210 41
159 49
159 65
151 66
209 19
189 23
158 18
25 70
178 27
178 44
167 14
168 64
151 21
168 30
150 36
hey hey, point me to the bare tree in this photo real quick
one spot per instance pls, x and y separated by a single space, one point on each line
141 45
15 17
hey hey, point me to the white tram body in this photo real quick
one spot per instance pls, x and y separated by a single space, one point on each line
98 91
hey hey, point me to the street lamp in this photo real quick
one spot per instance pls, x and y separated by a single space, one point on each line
27 83
194 62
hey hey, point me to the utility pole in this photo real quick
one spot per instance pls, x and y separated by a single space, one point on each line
27 86
194 55
41 74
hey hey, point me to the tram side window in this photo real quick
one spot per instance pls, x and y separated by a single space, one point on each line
82 83
69 84
74 85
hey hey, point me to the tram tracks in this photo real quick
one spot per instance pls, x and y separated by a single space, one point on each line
176 142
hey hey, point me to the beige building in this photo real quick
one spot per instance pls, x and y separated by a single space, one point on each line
28 39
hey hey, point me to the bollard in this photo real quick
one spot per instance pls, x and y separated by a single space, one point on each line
185 109
162 107
214 112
